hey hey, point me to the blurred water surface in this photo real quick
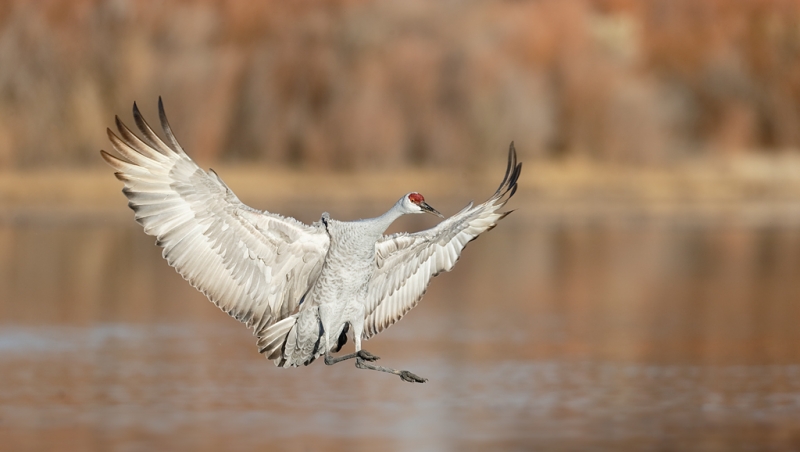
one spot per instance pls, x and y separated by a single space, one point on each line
649 335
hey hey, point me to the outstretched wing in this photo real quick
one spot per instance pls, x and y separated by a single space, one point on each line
407 262
256 266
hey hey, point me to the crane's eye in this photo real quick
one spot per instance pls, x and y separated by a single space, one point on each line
416 198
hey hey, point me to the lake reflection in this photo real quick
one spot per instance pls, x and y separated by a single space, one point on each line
644 336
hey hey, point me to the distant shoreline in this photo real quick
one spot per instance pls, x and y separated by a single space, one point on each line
745 189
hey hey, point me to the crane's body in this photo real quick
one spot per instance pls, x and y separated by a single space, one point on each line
303 289
338 296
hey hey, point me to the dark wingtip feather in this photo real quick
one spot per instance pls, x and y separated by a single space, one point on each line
122 128
138 118
512 157
122 176
512 191
162 115
513 171
110 159
146 130
116 141
515 176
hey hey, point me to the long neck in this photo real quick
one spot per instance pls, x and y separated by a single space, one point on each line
384 221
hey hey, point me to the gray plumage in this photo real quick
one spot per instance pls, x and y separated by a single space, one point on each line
302 289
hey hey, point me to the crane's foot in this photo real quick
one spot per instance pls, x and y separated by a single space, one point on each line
403 374
367 356
411 378
361 354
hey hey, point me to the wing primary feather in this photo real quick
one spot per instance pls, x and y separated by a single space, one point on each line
149 135
130 153
124 168
135 142
162 115
512 157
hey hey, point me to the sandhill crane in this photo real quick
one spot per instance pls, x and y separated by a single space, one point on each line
302 289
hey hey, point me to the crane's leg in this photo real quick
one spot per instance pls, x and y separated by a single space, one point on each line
361 363
354 312
404 374
361 354
363 357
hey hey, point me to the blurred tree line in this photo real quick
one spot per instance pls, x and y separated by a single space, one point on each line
359 84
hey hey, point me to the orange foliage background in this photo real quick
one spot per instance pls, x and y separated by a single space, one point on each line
362 84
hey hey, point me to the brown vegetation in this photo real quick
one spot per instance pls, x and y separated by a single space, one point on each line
359 84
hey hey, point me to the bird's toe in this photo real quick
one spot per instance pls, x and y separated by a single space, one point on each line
367 356
411 378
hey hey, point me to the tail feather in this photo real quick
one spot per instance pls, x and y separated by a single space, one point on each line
272 339
302 344
293 341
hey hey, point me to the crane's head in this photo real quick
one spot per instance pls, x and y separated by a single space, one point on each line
415 203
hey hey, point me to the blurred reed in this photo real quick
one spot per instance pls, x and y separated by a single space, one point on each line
353 84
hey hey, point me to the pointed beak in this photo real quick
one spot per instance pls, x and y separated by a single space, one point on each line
429 209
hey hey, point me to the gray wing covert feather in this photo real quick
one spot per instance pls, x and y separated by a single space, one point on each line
254 265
